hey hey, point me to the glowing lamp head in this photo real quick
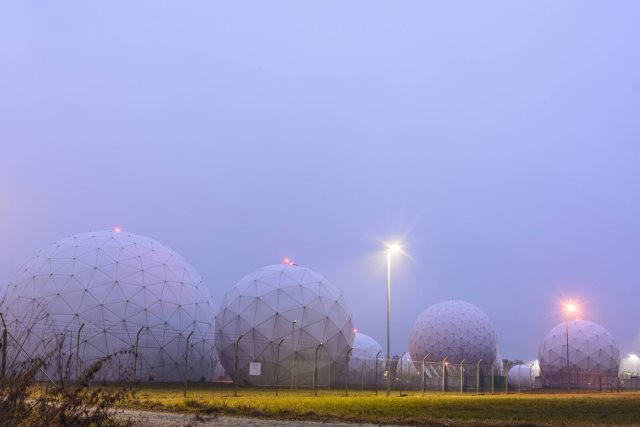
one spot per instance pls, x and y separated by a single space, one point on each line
394 248
633 356
571 308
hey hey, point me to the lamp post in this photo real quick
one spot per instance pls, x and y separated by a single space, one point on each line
569 308
390 249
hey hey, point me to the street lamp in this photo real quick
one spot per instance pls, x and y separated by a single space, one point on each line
393 248
569 308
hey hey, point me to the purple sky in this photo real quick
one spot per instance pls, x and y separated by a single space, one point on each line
500 140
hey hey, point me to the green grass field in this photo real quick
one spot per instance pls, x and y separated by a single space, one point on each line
413 409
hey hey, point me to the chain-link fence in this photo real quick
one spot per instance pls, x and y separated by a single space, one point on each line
278 365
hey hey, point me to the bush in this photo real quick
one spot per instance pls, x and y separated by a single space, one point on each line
24 401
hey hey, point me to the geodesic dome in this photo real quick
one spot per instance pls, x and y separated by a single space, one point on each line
120 286
593 355
362 363
275 309
454 329
520 377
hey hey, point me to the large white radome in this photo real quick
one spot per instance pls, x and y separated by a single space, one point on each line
454 329
593 354
262 307
115 283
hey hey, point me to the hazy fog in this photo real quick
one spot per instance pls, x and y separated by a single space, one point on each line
499 140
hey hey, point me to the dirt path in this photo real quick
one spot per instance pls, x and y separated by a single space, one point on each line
169 419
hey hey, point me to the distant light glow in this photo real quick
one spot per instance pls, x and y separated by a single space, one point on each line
571 307
117 229
394 248
288 261
633 356
355 330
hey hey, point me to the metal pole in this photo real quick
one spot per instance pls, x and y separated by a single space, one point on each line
388 322
186 364
531 377
278 363
4 352
236 373
135 355
293 354
346 383
492 376
519 385
78 351
26 352
461 375
506 378
478 377
566 325
401 373
315 371
423 359
444 372
377 355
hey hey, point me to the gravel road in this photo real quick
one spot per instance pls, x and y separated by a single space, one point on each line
168 419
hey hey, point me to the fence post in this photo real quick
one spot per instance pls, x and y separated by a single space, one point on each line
478 377
492 376
315 371
293 354
461 375
4 349
25 351
519 383
506 378
376 386
278 363
401 373
423 359
186 364
135 354
235 379
346 383
78 351
444 372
